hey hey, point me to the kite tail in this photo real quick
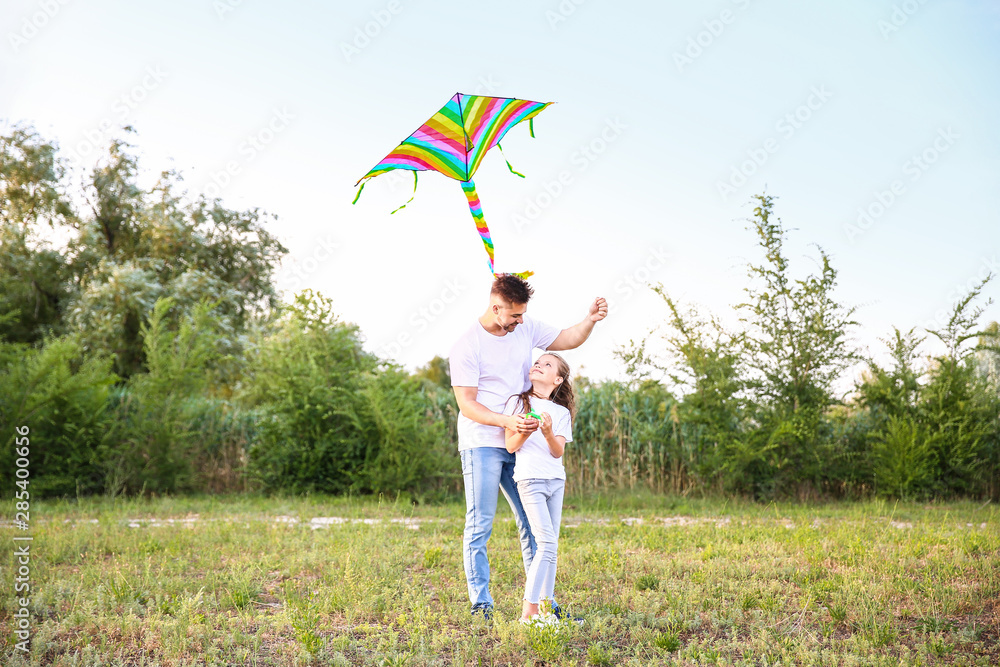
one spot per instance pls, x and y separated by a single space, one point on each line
477 213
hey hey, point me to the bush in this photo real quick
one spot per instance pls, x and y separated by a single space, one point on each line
156 446
626 436
307 378
62 397
333 421
904 461
409 446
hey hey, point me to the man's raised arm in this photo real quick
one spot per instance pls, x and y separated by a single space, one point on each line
575 335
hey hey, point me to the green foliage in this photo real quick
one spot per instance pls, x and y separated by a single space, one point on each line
904 461
796 345
432 557
333 422
754 409
625 436
667 641
894 391
61 395
408 445
702 363
133 248
547 643
307 377
937 427
959 407
163 295
757 412
156 448
599 655
436 371
33 275
797 340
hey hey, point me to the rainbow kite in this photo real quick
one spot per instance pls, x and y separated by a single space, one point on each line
454 142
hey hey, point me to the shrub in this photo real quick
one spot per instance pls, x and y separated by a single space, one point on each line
333 421
307 378
904 461
409 447
61 396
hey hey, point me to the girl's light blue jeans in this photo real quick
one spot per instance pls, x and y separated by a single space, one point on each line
486 472
542 500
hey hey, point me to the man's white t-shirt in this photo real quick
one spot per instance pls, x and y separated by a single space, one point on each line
534 460
498 366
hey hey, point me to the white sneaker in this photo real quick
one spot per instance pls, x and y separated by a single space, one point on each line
540 620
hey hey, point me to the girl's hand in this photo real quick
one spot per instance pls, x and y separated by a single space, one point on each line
546 424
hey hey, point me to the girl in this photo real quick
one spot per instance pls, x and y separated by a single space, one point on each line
539 472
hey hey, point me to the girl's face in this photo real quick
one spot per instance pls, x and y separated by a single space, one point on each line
545 371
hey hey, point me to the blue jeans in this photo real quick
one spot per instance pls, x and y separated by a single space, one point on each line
542 500
486 471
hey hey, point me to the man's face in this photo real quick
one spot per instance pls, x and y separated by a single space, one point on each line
509 315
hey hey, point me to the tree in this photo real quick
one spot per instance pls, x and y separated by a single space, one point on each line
34 279
437 372
797 333
959 409
894 391
987 357
132 248
796 345
308 374
703 364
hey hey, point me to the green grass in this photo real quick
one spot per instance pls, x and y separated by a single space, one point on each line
659 580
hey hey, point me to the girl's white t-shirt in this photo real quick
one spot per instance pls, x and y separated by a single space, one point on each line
498 366
534 460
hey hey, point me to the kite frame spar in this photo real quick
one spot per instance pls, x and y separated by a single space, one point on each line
437 146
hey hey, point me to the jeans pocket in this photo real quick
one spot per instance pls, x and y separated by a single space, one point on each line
528 485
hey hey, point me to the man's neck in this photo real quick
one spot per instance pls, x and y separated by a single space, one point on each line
489 322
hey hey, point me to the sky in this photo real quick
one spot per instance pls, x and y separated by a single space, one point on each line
872 123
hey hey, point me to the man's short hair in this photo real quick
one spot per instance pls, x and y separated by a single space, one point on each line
512 289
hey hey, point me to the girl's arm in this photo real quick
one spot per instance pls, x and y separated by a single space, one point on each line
514 440
557 443
477 412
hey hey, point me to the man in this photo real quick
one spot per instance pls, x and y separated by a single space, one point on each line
489 364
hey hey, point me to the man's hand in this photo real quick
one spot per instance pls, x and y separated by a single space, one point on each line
598 310
521 424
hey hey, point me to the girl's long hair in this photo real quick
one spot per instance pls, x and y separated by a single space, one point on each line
563 394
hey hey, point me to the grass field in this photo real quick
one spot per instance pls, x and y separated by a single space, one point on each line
659 580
